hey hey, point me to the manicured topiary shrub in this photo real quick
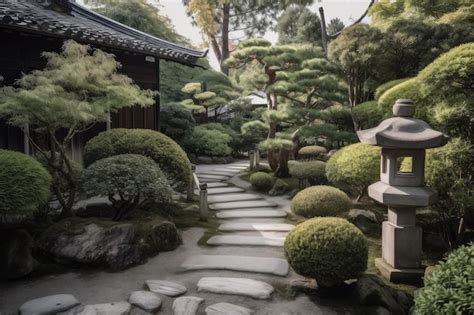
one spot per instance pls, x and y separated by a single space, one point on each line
24 184
128 180
172 160
356 166
367 115
330 250
381 89
449 288
320 201
261 181
279 188
313 171
208 142
311 152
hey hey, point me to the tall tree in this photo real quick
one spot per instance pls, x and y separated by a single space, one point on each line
335 25
297 24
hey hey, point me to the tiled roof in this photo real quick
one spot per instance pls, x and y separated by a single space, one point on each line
73 21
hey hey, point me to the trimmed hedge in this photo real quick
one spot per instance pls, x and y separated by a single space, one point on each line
449 288
313 171
169 156
311 152
24 184
381 89
367 115
330 250
205 141
320 201
261 181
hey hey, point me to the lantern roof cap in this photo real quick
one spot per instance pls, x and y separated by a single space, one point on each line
403 131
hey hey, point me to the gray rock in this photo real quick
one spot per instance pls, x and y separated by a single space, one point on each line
16 260
49 305
166 237
114 308
146 300
362 218
381 311
166 287
236 286
303 285
186 305
227 309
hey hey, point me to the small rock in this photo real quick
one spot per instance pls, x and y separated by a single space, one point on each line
146 300
49 304
115 308
166 287
227 309
303 285
237 286
16 260
166 236
371 291
186 305
362 218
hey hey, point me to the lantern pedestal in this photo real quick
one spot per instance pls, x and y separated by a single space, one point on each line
405 276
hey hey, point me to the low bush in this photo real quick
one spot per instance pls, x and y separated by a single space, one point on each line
235 143
320 201
367 115
330 250
449 288
24 184
311 152
312 171
263 168
203 141
172 160
128 180
261 181
279 188
175 120
381 89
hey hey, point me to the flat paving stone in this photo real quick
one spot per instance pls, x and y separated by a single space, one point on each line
227 309
210 180
267 265
219 173
217 185
245 240
224 190
186 305
48 304
264 213
145 300
233 171
116 308
164 287
233 197
236 286
237 167
242 205
207 176
237 226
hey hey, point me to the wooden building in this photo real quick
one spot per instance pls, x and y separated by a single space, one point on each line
29 27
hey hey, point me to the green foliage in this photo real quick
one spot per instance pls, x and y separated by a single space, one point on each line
357 165
297 24
164 151
381 89
279 188
276 144
449 288
339 116
463 16
367 115
313 171
330 250
261 181
334 26
206 140
175 120
328 132
24 184
320 201
311 152
128 180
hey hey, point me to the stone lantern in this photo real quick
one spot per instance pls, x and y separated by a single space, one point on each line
402 189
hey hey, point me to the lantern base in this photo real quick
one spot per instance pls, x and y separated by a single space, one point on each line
404 276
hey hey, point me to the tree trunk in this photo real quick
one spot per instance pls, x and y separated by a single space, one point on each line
282 169
225 39
324 34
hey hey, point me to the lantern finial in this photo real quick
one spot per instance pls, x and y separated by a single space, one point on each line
404 108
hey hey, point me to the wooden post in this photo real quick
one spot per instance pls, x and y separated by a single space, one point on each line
203 202
252 159
190 194
257 157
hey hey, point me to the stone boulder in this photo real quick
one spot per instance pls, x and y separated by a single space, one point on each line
363 219
15 254
166 236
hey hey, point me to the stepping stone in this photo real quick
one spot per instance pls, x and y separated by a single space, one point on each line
186 305
245 240
49 304
264 213
206 176
116 308
232 171
242 205
236 286
217 185
237 226
224 190
166 287
242 168
145 300
210 180
221 173
246 164
227 309
269 265
233 197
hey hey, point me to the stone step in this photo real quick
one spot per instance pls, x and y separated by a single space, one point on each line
237 226
224 190
208 176
186 305
227 170
237 167
217 185
267 265
261 213
220 173
227 309
210 180
245 240
246 164
252 205
233 197
236 286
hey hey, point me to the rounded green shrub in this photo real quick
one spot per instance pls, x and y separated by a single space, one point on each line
320 201
311 152
204 141
381 89
172 160
280 187
449 288
367 115
313 171
261 181
357 165
175 120
24 184
128 180
330 250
